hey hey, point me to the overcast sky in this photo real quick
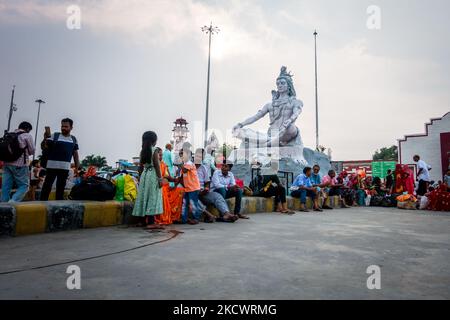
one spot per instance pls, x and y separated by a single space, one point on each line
137 65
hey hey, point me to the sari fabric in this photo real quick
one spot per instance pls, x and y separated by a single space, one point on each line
439 199
399 186
172 199
408 179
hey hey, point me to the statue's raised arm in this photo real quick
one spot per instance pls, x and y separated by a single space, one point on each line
259 115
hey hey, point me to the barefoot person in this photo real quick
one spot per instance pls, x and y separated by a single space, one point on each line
171 194
149 202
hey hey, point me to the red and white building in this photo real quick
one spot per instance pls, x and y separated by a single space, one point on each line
433 146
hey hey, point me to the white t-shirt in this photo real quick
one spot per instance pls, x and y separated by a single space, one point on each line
425 175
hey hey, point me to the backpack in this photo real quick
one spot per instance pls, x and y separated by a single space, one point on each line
45 151
94 189
10 149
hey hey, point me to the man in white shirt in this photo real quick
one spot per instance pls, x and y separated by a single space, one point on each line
224 183
423 175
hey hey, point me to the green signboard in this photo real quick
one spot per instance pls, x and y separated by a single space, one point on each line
380 168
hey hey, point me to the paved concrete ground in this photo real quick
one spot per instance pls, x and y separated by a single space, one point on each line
305 256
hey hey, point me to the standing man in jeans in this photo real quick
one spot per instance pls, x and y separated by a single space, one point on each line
18 171
60 147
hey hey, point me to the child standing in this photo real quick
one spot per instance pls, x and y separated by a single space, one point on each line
191 188
149 201
35 179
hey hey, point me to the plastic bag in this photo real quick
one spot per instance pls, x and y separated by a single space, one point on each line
424 203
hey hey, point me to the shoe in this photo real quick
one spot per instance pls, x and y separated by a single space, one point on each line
193 222
318 210
327 207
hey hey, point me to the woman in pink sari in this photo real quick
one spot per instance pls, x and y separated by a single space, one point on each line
408 179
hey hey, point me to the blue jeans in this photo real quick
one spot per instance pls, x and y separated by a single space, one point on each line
191 198
302 194
19 175
227 194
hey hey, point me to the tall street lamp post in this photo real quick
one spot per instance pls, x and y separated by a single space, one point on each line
317 98
209 31
39 102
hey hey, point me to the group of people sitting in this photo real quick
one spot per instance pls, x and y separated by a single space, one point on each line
181 192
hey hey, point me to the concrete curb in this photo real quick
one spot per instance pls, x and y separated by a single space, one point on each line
28 218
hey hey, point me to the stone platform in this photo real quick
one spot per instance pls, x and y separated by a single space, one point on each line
40 217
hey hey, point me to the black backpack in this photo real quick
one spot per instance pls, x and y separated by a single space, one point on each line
10 149
94 189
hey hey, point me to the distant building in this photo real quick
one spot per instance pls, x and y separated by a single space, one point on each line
433 146
180 134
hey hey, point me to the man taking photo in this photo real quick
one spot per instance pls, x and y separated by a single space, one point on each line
59 149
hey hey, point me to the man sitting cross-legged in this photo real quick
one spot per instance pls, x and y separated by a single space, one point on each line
207 197
302 188
223 183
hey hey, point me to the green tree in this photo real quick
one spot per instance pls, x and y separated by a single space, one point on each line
93 160
386 154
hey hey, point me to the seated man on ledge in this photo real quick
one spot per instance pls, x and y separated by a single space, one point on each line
316 181
302 188
208 197
333 188
223 182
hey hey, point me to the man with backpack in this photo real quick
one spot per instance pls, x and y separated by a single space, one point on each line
15 148
58 150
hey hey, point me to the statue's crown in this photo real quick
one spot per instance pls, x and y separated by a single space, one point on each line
285 74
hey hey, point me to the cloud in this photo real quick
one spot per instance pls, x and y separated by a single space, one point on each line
156 22
367 99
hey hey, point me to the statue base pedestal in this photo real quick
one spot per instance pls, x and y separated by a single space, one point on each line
244 160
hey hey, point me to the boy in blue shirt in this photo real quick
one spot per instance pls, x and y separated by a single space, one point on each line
303 187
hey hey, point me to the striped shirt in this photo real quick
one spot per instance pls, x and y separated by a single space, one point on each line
60 152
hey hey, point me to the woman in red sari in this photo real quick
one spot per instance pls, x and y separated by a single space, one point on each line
399 186
408 179
172 196
439 199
